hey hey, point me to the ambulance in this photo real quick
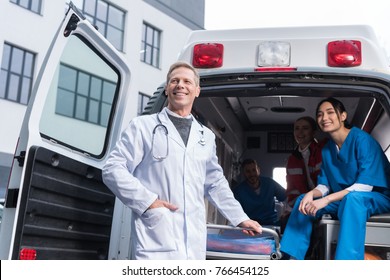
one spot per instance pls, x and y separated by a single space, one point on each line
254 84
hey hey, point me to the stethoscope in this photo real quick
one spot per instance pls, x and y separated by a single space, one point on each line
160 125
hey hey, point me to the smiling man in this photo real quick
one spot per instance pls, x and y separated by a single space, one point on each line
257 194
163 167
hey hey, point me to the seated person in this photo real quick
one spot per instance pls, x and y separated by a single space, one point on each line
256 194
304 164
353 185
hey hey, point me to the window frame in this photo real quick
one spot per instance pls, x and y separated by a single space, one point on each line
151 56
25 77
143 100
88 98
93 17
38 4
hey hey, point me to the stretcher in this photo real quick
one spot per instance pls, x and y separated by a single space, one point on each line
228 242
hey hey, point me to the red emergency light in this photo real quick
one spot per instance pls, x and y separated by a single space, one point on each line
275 69
344 53
28 254
208 55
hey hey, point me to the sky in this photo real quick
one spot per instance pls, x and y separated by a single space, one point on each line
232 14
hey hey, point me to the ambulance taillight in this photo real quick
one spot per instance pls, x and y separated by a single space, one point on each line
275 69
208 55
344 53
28 254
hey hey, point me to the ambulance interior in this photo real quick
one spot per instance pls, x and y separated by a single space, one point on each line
256 121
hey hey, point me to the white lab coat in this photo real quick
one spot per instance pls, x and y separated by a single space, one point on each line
184 178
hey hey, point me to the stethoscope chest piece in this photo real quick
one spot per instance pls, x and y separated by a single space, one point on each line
202 141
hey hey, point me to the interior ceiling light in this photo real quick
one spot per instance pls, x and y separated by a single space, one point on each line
257 109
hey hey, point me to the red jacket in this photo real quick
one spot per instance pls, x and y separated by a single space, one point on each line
296 177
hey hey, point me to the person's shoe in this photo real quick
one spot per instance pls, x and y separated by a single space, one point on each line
285 256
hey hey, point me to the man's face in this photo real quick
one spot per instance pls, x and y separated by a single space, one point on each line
252 173
182 90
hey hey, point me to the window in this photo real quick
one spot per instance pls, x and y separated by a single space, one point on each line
142 102
150 49
109 20
279 175
84 96
80 99
16 74
32 5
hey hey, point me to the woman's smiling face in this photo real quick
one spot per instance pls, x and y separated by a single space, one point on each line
328 119
303 133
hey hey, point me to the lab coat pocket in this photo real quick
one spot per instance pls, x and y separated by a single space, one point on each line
155 230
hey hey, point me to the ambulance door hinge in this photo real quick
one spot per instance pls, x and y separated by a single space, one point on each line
20 158
72 25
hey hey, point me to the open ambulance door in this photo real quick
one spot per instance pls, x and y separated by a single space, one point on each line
57 206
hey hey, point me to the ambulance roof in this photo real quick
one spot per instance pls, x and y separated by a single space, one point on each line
308 45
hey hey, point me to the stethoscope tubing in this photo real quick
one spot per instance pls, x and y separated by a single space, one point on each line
160 124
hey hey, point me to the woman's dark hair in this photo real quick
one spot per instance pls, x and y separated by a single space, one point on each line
337 105
312 122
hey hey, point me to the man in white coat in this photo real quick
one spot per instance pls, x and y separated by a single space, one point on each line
162 168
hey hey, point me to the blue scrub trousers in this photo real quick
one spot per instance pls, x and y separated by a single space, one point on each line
353 212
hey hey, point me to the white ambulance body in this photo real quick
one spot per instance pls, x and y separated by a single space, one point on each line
270 77
307 45
254 82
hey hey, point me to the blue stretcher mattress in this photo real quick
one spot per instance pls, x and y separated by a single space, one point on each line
230 241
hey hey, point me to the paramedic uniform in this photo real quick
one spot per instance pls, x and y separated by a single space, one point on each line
184 176
359 161
302 170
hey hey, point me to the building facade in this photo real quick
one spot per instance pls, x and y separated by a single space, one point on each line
149 33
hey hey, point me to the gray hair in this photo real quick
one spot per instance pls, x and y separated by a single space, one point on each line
185 65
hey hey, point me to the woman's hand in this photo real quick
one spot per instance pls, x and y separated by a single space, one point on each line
308 198
312 207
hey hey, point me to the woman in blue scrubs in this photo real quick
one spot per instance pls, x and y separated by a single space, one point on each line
352 186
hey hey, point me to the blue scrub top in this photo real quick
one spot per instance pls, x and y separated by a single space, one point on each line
260 207
360 160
